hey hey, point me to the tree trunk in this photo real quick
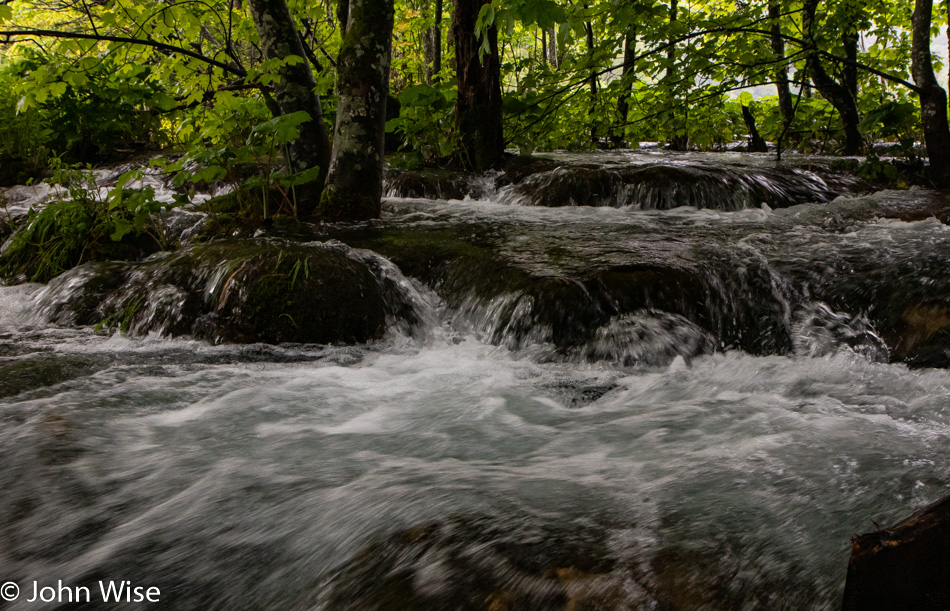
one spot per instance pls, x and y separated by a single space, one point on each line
478 105
295 92
933 99
839 95
428 52
756 143
432 43
436 36
355 182
626 82
592 110
786 107
552 48
678 142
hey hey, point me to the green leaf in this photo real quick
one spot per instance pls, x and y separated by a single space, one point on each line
122 229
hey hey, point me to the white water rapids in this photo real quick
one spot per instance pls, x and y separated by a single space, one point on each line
440 471
241 477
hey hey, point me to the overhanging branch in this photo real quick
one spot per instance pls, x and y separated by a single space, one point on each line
9 36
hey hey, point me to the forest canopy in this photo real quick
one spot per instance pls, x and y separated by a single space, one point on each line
93 80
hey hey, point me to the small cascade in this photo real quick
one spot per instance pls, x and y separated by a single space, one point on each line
244 291
819 331
650 338
437 184
411 307
641 182
663 186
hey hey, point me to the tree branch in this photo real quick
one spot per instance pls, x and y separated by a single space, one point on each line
8 34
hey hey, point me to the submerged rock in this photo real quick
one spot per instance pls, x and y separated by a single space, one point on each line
663 186
432 183
482 564
819 331
646 337
242 291
906 566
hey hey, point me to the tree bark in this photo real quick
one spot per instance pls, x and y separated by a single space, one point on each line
294 92
678 142
552 48
840 95
435 36
355 181
933 99
592 110
756 142
786 107
478 117
626 82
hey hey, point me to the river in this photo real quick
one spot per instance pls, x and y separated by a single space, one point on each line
478 463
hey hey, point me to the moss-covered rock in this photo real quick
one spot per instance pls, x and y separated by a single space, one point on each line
239 291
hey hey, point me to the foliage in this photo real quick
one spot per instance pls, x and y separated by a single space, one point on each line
427 115
88 223
562 71
248 166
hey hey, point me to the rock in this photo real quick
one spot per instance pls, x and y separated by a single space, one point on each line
235 291
906 566
478 563
819 331
519 167
431 183
570 186
661 186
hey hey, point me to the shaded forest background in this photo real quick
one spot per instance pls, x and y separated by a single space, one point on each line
91 81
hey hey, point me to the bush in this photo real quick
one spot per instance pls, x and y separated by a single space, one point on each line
84 226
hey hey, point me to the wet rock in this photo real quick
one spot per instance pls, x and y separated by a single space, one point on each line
241 291
906 566
556 310
432 183
42 369
579 393
510 302
737 304
667 186
906 299
819 331
519 167
478 563
648 338
570 186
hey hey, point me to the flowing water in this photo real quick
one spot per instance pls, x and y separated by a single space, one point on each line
489 459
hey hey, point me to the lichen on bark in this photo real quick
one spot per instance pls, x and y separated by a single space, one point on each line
294 92
355 182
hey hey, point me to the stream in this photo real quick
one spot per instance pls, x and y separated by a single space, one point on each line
541 436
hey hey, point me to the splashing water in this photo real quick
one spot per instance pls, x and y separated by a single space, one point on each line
551 439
